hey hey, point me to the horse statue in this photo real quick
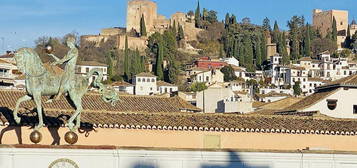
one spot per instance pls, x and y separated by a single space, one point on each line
42 82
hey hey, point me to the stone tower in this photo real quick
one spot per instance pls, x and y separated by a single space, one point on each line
322 20
137 8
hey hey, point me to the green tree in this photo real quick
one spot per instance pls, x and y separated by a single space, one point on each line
198 86
198 15
180 34
284 53
173 71
227 20
276 33
334 30
295 24
127 61
263 46
348 38
159 72
233 19
297 88
110 64
248 52
142 26
266 24
258 51
307 42
228 72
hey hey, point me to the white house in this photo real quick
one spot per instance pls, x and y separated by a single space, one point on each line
8 73
124 87
209 76
145 84
83 67
337 99
231 61
164 87
271 97
220 99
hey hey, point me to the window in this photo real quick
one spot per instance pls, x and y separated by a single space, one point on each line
331 104
170 90
87 69
310 84
151 88
152 80
354 109
79 69
143 79
139 79
148 79
207 78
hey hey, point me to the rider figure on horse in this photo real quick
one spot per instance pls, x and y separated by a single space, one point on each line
70 59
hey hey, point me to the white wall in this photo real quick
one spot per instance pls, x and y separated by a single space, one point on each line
121 158
145 85
344 109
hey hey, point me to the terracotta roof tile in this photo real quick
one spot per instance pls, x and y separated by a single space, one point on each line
346 81
93 102
311 100
145 74
162 83
91 63
121 83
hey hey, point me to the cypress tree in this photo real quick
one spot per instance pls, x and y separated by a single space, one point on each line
233 19
334 30
266 24
126 60
110 65
174 30
258 52
264 47
284 53
143 26
181 34
276 33
198 16
173 71
248 53
307 42
348 38
226 22
159 62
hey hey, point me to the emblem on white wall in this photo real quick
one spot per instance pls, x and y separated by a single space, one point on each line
63 163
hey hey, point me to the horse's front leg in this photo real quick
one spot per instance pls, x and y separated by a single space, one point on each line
37 98
19 101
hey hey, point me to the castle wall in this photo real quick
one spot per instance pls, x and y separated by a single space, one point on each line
112 31
137 8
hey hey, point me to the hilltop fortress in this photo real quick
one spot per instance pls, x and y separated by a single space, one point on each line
154 22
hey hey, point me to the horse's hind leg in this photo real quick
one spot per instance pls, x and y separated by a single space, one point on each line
37 98
19 101
78 103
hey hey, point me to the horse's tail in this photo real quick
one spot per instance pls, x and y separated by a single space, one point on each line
108 93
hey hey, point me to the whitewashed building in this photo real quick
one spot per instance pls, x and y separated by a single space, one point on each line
336 99
83 67
220 99
145 84
164 87
123 87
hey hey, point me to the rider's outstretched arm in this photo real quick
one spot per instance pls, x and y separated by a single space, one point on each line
54 57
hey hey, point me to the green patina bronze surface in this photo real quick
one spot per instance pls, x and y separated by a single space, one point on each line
41 82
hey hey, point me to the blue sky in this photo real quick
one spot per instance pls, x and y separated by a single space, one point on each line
23 21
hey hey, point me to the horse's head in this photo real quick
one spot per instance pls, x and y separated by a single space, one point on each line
28 61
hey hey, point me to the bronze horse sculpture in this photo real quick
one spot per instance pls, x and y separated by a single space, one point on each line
41 82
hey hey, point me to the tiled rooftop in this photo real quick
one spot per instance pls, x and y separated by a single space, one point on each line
93 102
